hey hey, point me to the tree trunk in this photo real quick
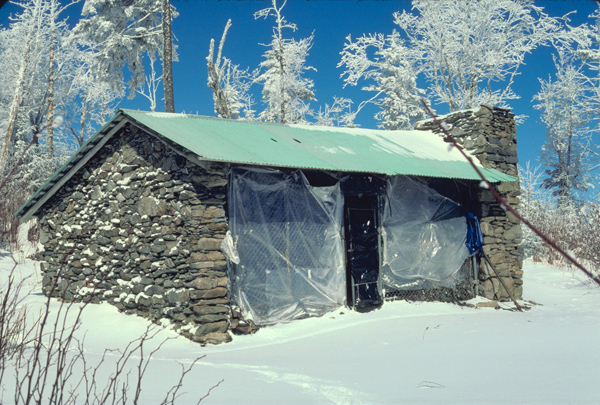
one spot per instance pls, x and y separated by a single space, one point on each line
167 59
50 136
563 181
281 59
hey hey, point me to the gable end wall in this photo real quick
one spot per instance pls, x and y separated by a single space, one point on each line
490 134
140 228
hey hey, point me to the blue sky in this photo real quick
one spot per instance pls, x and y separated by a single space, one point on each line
331 21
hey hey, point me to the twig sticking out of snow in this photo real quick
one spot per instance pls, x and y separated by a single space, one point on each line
429 384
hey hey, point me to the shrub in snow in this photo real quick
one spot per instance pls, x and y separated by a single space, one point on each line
574 226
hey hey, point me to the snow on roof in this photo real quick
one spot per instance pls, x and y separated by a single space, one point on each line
416 144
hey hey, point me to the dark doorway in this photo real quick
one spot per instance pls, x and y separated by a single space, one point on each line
362 247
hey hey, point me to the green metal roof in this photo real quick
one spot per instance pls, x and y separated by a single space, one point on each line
412 153
416 153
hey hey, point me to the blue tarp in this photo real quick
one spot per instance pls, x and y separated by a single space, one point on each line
474 235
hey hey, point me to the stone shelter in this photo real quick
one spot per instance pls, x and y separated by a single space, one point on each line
225 225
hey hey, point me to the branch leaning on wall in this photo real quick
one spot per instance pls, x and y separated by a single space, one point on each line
488 185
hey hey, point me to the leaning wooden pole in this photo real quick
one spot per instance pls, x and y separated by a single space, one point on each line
501 280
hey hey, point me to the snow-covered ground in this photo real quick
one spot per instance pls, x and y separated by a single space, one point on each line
405 352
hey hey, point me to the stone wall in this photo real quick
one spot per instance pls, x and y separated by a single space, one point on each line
489 134
140 227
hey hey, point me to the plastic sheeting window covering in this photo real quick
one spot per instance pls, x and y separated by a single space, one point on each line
287 235
424 237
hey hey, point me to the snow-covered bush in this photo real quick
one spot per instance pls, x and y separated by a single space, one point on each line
574 225
532 206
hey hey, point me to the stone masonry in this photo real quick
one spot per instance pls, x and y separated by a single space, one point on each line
140 227
489 134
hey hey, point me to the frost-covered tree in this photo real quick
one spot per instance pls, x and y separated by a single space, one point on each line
574 225
230 85
33 66
532 202
392 71
285 89
151 84
29 62
589 54
468 53
122 32
25 31
47 79
89 101
339 113
568 107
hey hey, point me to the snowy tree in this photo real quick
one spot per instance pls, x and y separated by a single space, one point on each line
533 203
285 89
32 64
339 113
568 105
468 52
26 29
89 100
48 79
28 62
122 32
393 71
230 85
589 54
574 225
151 85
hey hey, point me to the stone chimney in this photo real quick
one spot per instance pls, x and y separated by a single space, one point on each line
489 134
